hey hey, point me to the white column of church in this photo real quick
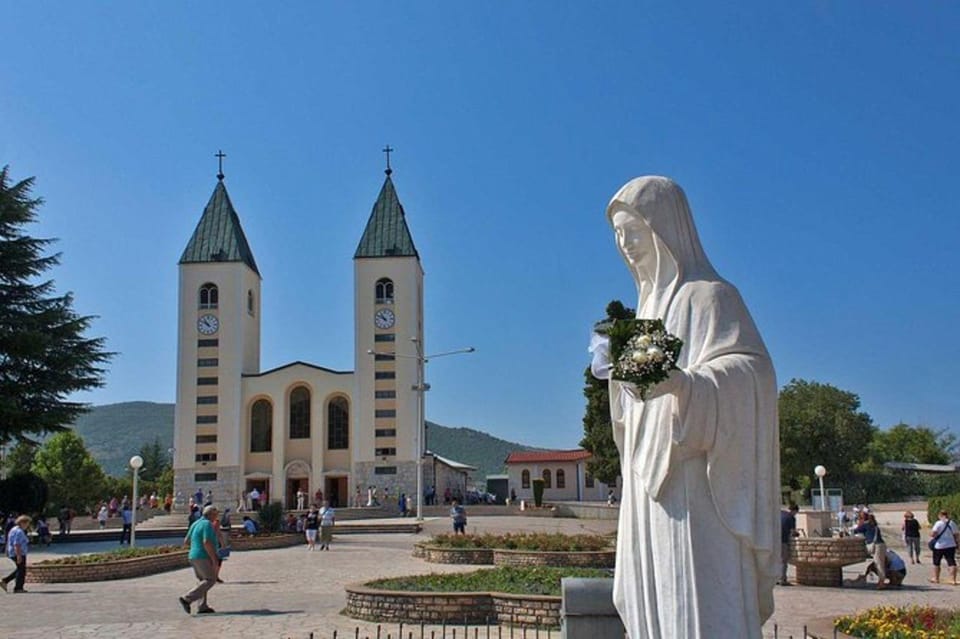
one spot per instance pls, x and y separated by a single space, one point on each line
277 487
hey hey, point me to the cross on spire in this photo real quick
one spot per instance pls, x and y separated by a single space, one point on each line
220 155
388 150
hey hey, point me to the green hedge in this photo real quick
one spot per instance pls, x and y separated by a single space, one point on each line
949 503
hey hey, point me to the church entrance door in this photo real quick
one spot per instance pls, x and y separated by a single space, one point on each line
294 485
336 491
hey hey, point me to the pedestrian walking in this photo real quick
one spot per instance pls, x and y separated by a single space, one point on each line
327 520
459 516
127 515
204 557
17 544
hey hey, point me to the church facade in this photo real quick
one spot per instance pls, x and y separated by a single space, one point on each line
299 426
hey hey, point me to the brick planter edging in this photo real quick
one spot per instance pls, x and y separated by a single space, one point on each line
371 604
504 557
119 569
143 566
820 560
576 559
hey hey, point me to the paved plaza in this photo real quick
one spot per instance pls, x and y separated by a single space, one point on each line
289 593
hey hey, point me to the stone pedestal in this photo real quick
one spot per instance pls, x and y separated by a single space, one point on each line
820 560
587 611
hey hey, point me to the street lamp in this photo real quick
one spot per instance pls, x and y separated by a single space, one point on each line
136 463
820 471
421 387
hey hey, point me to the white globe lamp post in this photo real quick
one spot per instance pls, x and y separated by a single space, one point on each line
820 471
136 463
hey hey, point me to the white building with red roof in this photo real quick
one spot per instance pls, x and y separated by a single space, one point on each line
564 474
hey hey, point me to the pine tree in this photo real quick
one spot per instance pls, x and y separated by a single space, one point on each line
44 356
597 427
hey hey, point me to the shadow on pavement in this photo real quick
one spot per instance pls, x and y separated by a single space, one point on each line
263 612
246 583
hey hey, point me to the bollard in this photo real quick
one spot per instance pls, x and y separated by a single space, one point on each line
587 610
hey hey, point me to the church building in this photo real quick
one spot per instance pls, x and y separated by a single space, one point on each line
299 426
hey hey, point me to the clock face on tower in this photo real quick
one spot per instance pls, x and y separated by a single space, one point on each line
208 324
384 318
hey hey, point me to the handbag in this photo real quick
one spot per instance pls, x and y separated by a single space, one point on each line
933 542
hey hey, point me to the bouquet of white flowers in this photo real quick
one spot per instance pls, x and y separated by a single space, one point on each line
642 351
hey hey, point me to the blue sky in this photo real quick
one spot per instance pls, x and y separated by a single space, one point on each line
817 143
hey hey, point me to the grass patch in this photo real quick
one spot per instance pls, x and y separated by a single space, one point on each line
113 555
908 622
543 542
539 580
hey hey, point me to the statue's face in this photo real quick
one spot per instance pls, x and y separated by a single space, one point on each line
635 240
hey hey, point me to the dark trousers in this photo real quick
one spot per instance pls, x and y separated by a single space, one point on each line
125 534
19 574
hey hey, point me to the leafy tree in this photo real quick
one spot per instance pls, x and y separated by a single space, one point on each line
912 444
44 356
155 460
821 424
23 493
597 427
19 460
73 476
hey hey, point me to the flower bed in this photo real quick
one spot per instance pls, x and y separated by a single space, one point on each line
127 563
101 568
554 549
503 595
911 622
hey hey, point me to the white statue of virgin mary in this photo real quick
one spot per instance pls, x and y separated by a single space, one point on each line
698 541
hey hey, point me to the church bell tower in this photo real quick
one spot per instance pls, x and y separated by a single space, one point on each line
218 341
388 317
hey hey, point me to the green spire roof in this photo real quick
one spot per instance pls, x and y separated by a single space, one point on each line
219 236
387 234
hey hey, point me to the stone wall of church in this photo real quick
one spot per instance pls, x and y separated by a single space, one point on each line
224 488
404 480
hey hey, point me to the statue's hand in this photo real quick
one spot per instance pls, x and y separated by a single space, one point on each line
600 366
667 386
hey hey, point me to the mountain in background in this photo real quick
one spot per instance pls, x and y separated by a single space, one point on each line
115 432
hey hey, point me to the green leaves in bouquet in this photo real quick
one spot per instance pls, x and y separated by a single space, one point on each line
645 375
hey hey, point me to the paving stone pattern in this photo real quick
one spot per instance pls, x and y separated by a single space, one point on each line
290 592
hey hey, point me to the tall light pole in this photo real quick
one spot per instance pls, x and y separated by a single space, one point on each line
820 471
421 387
136 463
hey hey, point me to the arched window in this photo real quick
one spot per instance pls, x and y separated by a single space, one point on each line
300 413
384 291
250 302
546 478
209 295
261 426
561 478
338 424
525 479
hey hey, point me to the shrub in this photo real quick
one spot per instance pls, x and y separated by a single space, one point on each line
271 517
537 580
949 503
538 492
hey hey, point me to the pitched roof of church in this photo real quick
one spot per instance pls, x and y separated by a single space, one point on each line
387 234
219 236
